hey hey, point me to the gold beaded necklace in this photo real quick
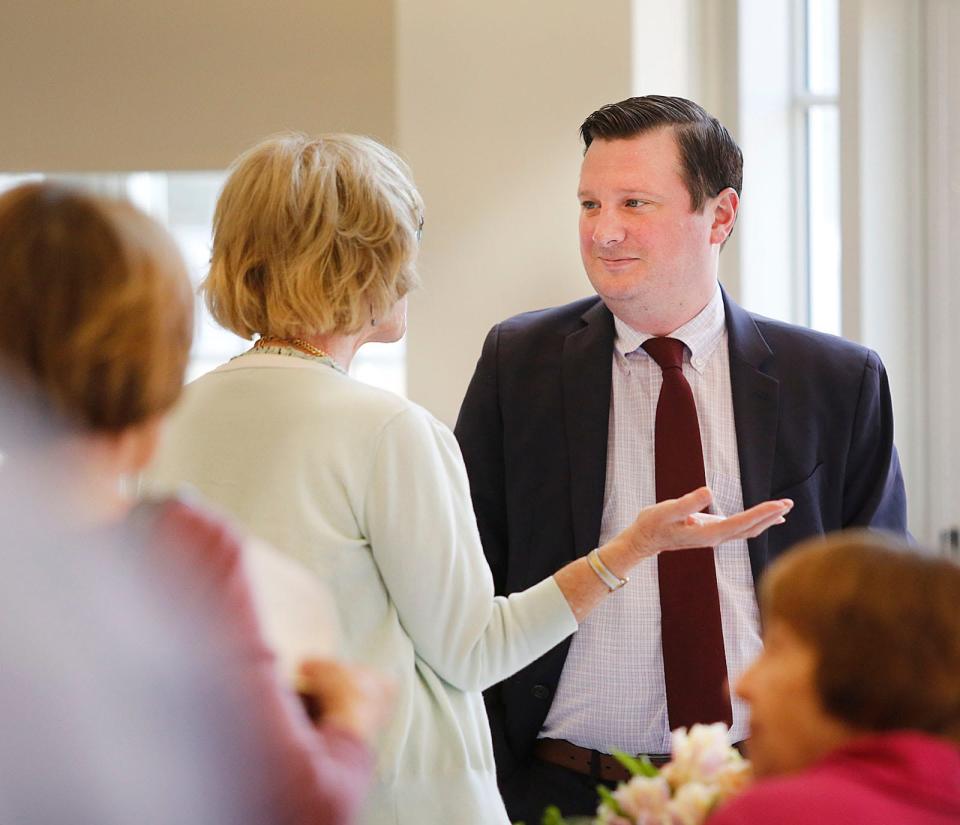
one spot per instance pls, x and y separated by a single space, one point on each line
306 349
296 343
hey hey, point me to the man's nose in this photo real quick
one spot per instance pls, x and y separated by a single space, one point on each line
608 229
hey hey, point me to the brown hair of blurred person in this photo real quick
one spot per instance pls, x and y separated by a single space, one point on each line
96 309
885 625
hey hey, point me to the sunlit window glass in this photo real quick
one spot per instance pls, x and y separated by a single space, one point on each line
818 100
822 53
823 219
184 202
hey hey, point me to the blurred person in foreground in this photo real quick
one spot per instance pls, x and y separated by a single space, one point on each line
97 315
314 248
855 700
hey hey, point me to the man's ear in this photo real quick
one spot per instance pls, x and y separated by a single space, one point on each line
725 207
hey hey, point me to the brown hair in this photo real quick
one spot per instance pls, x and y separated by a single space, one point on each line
312 235
710 158
885 622
96 310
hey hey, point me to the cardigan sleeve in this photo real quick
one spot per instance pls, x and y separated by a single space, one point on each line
423 535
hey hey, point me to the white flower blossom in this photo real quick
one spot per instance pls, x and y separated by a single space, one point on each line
704 771
733 778
698 755
643 799
605 816
691 804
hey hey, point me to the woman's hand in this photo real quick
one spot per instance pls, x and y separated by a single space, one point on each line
676 524
354 698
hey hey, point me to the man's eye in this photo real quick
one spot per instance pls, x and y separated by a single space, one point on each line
588 204
634 202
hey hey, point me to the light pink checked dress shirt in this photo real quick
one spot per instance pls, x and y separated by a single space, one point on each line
611 692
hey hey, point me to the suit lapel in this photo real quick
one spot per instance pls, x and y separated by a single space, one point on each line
756 408
587 375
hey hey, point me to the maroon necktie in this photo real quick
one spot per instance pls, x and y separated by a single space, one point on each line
694 664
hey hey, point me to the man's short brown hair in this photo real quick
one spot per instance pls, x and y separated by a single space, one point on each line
884 620
709 155
96 309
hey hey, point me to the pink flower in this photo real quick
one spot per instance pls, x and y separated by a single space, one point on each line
607 817
733 778
644 799
698 755
704 772
691 804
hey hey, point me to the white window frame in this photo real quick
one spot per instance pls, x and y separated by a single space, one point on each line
802 103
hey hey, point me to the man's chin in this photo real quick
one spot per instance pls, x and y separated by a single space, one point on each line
620 286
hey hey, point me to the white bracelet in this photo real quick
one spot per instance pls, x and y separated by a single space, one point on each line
604 573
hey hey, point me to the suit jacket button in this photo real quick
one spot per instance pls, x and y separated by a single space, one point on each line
540 692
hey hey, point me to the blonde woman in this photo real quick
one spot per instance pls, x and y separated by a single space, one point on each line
97 316
313 254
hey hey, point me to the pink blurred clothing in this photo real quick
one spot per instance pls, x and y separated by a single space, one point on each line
299 773
900 778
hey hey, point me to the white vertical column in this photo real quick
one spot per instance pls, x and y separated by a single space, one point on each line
943 308
764 130
884 281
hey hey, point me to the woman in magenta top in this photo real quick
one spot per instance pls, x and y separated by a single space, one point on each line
96 317
855 700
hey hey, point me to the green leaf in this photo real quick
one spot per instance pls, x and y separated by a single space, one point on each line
606 798
552 816
638 766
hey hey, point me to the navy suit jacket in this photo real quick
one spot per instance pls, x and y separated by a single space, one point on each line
813 422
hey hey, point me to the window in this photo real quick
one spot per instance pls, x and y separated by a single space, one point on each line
184 202
817 118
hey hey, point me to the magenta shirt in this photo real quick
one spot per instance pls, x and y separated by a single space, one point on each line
898 778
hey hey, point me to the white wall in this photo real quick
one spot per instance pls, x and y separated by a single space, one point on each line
101 85
490 98
763 127
665 57
942 311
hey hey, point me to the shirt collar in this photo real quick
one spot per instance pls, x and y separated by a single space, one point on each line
701 334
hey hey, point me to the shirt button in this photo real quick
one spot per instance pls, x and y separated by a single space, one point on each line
540 692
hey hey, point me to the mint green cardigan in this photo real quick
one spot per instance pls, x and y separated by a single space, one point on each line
369 490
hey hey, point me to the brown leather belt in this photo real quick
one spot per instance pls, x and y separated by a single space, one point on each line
586 761
594 763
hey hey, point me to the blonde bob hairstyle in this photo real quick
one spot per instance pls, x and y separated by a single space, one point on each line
312 236
96 309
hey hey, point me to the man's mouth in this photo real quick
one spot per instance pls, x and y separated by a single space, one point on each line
616 263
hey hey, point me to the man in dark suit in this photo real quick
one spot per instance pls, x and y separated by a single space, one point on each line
558 431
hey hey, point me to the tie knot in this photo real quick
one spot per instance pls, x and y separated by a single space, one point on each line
667 352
